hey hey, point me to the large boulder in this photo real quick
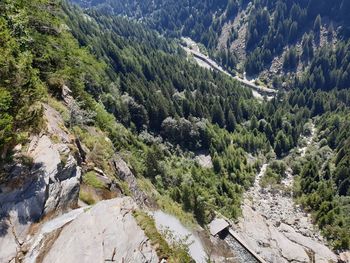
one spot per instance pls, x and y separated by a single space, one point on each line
281 242
106 232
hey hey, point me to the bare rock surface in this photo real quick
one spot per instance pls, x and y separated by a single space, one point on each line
40 241
106 232
37 222
276 228
50 185
345 257
124 173
204 161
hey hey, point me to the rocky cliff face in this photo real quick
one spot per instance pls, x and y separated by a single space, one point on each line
124 173
39 216
105 232
47 186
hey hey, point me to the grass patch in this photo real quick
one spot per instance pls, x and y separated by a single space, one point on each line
27 160
58 106
258 82
86 197
270 179
124 187
55 139
173 254
169 206
91 179
100 147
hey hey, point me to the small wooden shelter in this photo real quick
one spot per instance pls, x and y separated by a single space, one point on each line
218 225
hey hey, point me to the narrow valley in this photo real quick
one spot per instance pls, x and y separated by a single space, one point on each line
175 131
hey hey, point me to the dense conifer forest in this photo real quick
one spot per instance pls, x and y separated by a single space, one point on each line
271 27
160 109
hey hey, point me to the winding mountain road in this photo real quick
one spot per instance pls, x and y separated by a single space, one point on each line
206 62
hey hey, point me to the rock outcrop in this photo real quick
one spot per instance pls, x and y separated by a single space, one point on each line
49 185
102 233
204 161
125 174
344 257
39 218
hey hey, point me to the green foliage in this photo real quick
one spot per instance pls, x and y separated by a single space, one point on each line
342 171
272 26
86 197
291 59
100 147
153 166
323 189
190 134
308 49
20 86
274 174
328 67
199 20
136 82
317 24
174 253
156 90
91 179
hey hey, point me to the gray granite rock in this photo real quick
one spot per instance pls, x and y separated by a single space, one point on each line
125 174
50 186
106 232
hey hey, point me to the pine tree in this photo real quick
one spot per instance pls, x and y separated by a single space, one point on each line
218 115
199 210
187 196
231 122
253 123
317 24
217 163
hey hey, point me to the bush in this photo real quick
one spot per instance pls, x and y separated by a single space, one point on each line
86 197
91 179
274 174
174 253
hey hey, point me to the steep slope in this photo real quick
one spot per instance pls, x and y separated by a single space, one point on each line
196 19
44 146
107 231
125 105
47 185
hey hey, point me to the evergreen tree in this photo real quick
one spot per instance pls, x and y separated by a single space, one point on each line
231 121
317 24
218 115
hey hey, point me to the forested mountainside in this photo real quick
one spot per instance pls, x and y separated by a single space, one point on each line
265 38
134 93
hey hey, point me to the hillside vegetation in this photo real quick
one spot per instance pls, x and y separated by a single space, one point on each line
309 37
160 110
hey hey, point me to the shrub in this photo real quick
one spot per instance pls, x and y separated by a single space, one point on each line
91 179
